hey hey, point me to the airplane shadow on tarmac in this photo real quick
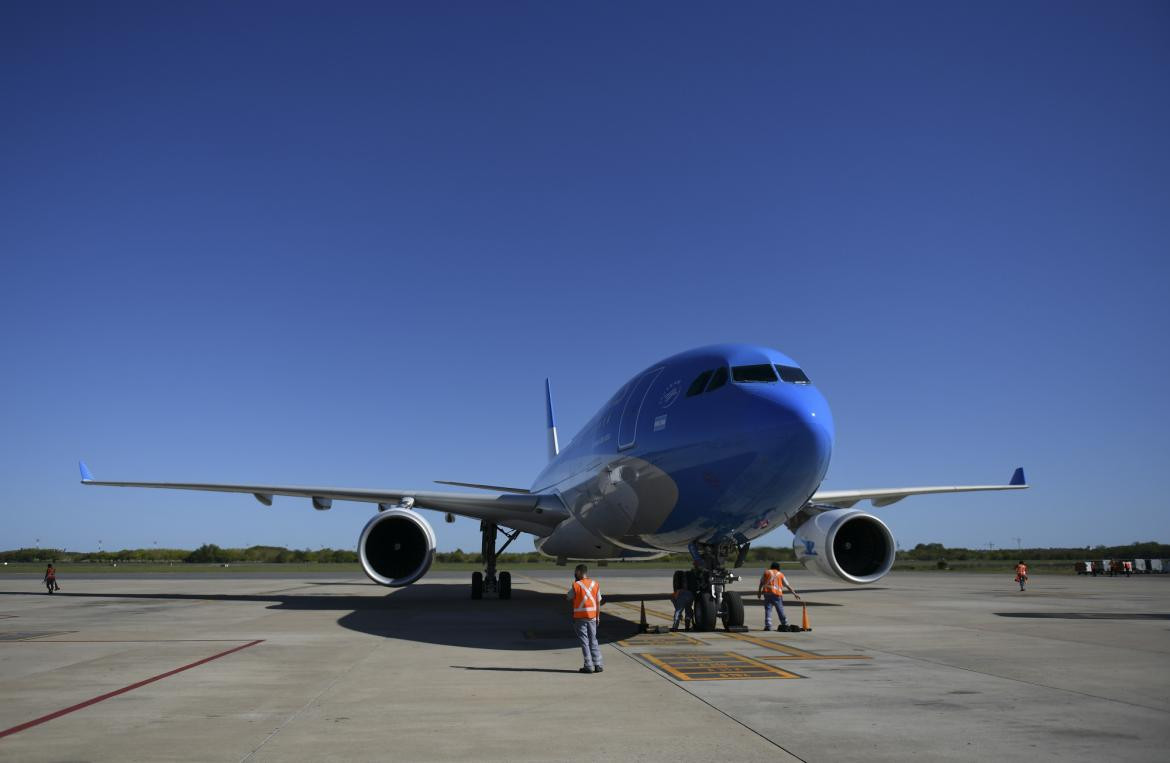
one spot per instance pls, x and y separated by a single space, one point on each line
444 614
424 612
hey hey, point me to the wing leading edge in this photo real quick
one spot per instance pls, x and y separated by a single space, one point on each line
845 499
537 513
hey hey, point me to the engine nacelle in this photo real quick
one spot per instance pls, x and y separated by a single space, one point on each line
396 547
843 543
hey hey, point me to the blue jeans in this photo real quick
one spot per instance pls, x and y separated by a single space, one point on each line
772 600
587 635
682 603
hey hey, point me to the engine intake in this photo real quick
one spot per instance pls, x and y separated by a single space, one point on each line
396 547
850 545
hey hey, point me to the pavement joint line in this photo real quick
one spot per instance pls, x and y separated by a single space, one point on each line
683 687
1016 680
102 697
312 701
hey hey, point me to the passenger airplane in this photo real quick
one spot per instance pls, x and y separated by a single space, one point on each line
702 452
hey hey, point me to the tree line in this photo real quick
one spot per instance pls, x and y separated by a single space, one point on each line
209 553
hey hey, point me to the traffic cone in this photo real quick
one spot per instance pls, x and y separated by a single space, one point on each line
643 626
804 623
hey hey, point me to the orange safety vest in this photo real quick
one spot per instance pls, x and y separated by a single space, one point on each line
774 582
586 599
1021 569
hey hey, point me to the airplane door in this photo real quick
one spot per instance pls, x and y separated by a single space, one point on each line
628 428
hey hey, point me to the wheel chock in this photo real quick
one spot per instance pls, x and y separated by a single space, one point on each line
736 629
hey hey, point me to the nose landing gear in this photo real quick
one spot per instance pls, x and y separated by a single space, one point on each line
488 581
710 579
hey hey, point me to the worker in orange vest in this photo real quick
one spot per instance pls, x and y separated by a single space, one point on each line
585 596
772 585
1021 574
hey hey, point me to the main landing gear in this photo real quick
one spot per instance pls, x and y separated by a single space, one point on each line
488 581
709 580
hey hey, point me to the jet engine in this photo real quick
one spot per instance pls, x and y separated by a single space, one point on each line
843 543
396 547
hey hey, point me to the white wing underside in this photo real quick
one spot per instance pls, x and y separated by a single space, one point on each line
529 512
845 499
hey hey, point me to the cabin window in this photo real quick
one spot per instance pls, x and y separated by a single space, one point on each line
792 374
699 383
718 380
748 374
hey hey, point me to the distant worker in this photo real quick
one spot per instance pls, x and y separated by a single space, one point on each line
1021 574
683 598
51 578
585 596
772 585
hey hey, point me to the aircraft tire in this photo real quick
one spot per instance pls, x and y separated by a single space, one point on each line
705 612
732 609
505 585
477 585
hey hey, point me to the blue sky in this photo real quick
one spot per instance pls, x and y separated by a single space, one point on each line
344 244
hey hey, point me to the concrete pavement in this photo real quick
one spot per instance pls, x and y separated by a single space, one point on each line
933 666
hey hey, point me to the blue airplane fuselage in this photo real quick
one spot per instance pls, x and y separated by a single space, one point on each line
670 460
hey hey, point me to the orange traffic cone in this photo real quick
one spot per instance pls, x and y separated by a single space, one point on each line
643 626
804 623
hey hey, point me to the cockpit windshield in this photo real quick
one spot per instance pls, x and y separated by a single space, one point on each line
792 374
749 374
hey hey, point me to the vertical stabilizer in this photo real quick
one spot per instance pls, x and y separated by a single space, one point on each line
553 447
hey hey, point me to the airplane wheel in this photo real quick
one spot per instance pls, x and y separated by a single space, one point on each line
680 580
705 612
477 585
732 609
505 585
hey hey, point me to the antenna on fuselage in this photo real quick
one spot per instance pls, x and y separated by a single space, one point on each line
553 447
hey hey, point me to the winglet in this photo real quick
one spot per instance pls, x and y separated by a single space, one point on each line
553 446
1018 477
85 475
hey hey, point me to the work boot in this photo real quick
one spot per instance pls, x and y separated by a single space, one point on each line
598 669
767 627
585 669
674 629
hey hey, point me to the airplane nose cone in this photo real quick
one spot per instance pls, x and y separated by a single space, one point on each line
799 429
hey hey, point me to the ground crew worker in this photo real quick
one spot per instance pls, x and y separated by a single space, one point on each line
772 585
51 578
1021 574
585 596
682 606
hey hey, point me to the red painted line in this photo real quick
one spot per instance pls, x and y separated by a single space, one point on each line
123 690
35 640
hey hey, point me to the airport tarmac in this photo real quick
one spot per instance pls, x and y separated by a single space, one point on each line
928 666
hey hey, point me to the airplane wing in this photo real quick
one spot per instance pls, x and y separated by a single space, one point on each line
884 497
528 511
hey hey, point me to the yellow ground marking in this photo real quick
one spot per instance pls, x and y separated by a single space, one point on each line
790 652
635 607
723 666
638 608
661 639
